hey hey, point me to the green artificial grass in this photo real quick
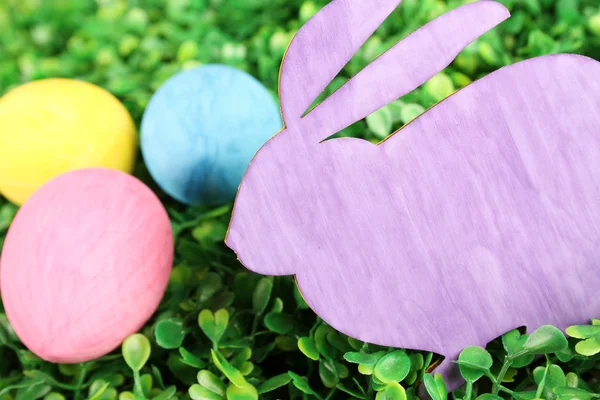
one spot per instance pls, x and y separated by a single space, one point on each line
221 331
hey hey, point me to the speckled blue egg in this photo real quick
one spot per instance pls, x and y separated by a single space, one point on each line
202 128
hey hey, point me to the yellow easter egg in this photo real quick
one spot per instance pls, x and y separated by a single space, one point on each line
52 126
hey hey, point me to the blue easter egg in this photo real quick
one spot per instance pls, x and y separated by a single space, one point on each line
202 128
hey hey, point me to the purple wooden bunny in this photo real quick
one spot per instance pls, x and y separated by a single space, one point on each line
480 216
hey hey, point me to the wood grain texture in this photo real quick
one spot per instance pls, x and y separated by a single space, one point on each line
481 216
85 264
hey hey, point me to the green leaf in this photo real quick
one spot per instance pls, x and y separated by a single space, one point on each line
136 351
210 284
146 383
435 386
488 396
31 390
439 87
366 369
410 112
572 379
594 24
274 383
339 341
395 108
569 393
474 362
529 395
320 337
277 305
353 393
308 348
247 392
589 347
279 322
417 361
210 381
302 305
583 331
169 333
262 295
377 384
241 357
210 231
230 372
97 388
364 358
393 391
545 340
286 343
380 122
198 392
565 355
54 396
554 378
513 343
301 383
328 373
190 359
166 394
392 367
246 368
213 325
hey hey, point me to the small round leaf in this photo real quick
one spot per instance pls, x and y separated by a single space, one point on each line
308 348
488 396
439 87
169 334
262 295
410 112
589 347
136 351
247 392
328 373
473 362
211 382
393 367
364 358
583 331
392 391
301 383
234 375
279 322
435 386
380 122
198 392
545 340
274 383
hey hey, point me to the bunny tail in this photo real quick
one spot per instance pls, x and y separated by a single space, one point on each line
323 46
406 66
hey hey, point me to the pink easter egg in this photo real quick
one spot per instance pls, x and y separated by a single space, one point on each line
85 264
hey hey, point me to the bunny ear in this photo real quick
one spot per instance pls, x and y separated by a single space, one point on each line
406 66
323 46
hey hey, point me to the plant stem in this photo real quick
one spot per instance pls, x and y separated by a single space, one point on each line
137 384
469 391
254 327
80 379
331 392
540 388
508 360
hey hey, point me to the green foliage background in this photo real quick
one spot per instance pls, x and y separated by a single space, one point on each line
222 332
